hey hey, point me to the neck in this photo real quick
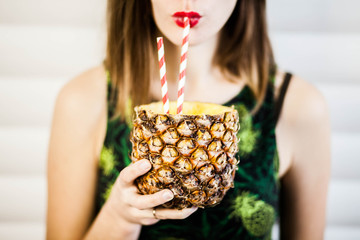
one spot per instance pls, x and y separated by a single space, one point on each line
199 61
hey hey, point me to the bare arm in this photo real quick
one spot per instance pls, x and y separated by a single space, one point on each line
72 157
305 184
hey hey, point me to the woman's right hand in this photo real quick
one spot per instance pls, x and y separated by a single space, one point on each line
126 201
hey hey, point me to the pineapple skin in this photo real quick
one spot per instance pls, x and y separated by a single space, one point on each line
192 155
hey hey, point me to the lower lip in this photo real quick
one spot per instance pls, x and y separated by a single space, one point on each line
181 23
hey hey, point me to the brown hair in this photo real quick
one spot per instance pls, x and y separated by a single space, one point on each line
131 49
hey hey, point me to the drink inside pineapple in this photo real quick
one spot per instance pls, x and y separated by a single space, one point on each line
192 154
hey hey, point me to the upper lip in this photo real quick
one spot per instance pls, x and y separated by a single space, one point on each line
187 14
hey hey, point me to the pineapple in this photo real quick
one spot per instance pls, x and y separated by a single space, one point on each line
192 154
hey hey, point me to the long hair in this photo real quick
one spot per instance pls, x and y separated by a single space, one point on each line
245 51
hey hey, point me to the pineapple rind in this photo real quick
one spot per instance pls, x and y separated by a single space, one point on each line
192 155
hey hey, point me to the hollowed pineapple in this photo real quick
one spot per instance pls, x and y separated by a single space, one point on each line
192 154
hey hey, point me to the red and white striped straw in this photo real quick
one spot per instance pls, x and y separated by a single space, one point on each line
183 61
164 88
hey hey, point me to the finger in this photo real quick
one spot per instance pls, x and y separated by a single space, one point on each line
130 173
142 216
164 213
150 201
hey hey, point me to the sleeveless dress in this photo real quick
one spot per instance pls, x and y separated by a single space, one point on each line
249 210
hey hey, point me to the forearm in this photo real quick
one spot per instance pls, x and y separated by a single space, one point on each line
108 225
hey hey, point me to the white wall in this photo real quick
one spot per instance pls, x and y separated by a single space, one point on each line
44 43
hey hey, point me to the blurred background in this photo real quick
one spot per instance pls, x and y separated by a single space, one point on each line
45 43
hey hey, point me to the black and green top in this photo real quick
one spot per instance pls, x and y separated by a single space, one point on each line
249 210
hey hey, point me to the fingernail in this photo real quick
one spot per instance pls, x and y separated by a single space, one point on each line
167 195
145 165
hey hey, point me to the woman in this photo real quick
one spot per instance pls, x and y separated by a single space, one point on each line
91 191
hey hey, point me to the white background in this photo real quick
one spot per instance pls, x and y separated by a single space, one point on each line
44 43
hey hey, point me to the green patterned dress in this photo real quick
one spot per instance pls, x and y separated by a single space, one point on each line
248 211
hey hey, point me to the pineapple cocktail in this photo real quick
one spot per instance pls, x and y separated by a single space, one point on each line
192 154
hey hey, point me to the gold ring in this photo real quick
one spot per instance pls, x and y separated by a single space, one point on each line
154 213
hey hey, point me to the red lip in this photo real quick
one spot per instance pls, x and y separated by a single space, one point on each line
194 18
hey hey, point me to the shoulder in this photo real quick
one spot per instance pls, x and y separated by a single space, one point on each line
82 100
87 87
304 104
84 93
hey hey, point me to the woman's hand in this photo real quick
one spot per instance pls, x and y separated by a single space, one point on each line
134 208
